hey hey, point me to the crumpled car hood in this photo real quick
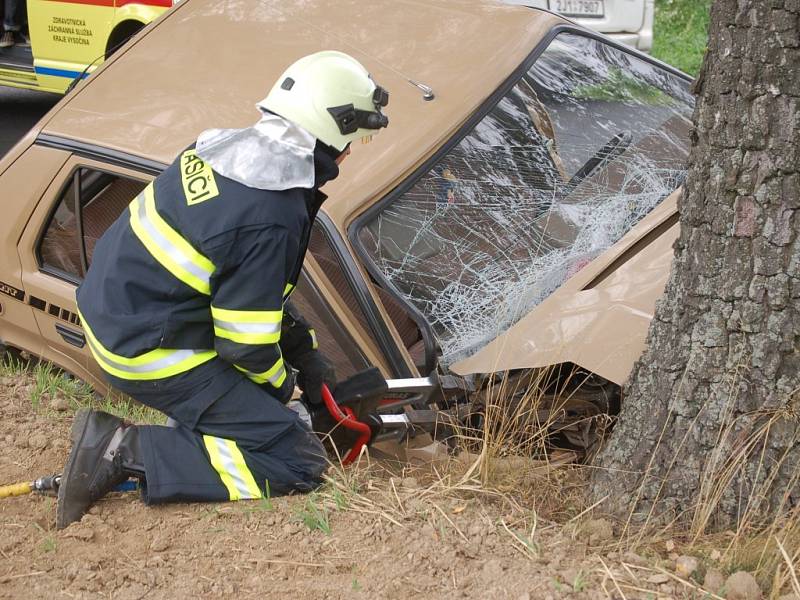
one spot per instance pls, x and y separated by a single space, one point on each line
600 317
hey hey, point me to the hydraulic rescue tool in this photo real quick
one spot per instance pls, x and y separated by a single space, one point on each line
367 409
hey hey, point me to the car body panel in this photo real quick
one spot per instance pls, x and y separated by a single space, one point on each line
20 194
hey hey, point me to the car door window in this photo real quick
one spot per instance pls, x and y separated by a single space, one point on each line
587 141
88 205
337 344
334 340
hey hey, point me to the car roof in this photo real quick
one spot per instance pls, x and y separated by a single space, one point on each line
207 62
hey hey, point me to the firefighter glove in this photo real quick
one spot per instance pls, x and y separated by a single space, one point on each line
314 369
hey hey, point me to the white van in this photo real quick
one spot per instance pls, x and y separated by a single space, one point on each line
628 21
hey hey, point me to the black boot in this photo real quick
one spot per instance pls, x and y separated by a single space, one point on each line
105 452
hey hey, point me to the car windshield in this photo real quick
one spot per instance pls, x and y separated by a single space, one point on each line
588 142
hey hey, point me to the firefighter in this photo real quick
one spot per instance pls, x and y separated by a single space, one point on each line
185 306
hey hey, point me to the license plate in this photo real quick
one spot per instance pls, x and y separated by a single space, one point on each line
579 8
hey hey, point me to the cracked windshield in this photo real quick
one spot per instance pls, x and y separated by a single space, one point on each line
585 145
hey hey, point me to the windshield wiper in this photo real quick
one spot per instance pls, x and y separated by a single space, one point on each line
614 147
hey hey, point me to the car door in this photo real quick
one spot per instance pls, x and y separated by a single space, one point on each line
56 249
24 181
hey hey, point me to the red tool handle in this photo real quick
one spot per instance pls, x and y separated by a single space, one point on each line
348 420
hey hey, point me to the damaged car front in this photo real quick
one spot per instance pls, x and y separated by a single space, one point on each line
540 235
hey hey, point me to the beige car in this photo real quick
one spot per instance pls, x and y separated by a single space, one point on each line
518 212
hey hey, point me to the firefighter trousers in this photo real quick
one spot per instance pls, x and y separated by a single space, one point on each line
234 440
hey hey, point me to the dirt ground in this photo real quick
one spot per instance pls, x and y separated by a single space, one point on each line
367 534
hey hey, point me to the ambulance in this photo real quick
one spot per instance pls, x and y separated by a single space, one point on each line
69 38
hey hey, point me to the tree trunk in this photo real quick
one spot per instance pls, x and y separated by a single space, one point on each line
710 425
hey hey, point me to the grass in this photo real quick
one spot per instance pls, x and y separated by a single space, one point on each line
524 542
503 462
514 443
129 410
314 514
343 490
535 496
48 543
266 499
681 33
49 385
580 582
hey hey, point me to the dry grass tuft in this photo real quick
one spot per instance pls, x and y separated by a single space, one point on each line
511 449
507 461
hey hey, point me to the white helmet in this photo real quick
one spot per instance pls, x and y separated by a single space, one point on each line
332 96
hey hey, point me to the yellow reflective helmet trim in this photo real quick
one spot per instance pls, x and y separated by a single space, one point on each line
275 375
167 246
155 364
248 326
228 462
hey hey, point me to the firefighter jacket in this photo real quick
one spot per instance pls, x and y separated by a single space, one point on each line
200 266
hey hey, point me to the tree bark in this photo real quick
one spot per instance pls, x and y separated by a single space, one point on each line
710 425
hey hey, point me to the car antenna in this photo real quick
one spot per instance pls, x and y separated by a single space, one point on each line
427 91
80 77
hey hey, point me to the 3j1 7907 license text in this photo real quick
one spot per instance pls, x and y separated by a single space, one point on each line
578 8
